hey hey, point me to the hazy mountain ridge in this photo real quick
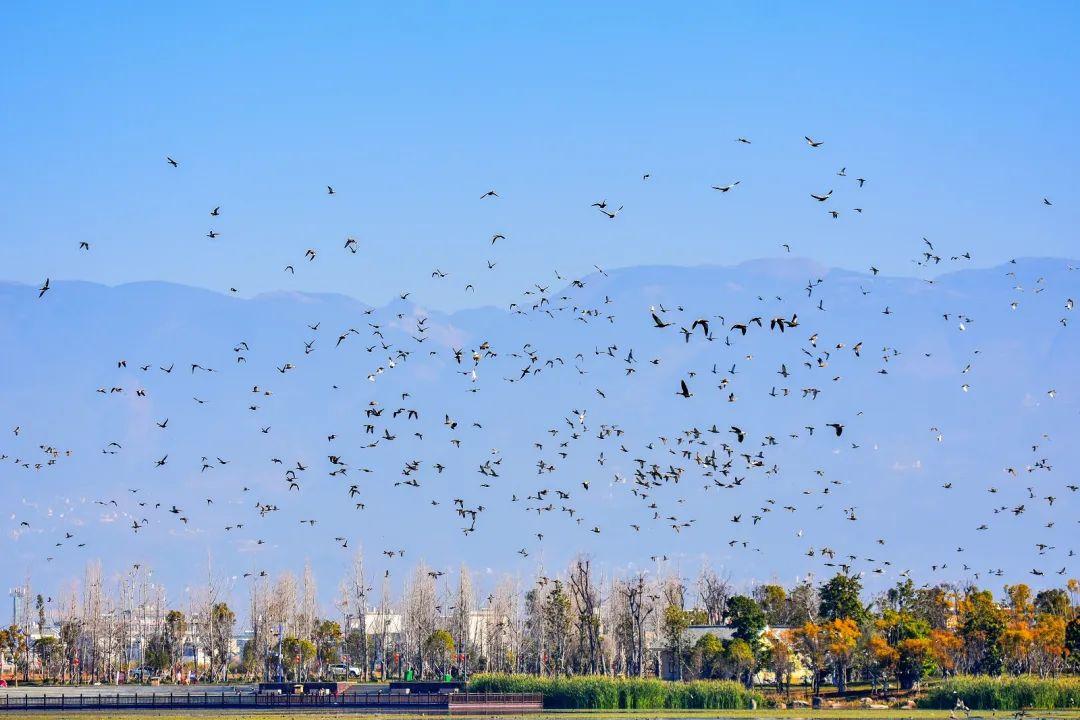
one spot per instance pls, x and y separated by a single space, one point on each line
61 349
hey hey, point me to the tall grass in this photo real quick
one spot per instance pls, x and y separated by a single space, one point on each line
605 693
1005 693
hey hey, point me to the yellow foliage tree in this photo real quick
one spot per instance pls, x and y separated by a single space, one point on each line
810 643
945 650
1017 643
1048 656
883 657
841 640
1020 600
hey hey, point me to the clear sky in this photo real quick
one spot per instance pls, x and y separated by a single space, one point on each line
962 117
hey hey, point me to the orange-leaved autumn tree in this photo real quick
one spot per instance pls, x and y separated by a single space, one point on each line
810 643
841 640
882 657
1048 653
946 650
1017 643
913 656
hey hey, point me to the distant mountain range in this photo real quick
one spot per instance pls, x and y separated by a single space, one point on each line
955 382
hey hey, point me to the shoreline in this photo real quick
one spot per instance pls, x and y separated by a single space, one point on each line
763 714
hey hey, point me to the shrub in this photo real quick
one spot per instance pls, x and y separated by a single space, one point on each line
593 692
1005 693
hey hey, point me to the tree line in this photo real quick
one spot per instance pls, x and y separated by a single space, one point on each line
574 622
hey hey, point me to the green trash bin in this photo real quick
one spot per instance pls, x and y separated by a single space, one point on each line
409 675
447 677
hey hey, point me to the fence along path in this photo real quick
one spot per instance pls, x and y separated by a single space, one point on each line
227 700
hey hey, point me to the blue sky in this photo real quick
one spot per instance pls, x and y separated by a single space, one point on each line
961 116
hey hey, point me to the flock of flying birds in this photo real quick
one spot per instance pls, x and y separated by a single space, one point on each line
720 455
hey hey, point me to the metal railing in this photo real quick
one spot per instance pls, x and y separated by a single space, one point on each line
494 698
227 700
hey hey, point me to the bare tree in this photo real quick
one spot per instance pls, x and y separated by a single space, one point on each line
421 614
673 591
381 629
462 615
357 590
636 605
713 591
586 607
260 616
534 638
309 608
92 616
26 622
503 628
71 630
283 606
